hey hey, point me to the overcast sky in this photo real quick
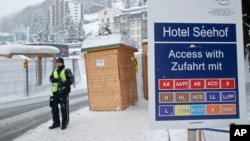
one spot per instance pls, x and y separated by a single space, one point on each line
10 6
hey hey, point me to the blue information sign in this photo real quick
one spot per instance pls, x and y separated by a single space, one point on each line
195 71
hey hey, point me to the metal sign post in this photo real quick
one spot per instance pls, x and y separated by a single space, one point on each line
192 135
26 66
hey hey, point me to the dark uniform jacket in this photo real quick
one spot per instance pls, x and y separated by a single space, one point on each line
69 79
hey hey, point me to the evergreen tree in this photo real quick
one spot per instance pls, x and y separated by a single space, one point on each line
127 4
104 30
36 29
140 3
46 33
5 25
109 3
61 33
51 38
71 32
40 29
81 31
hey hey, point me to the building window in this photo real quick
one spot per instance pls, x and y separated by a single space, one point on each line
105 12
138 31
132 32
102 20
138 23
138 39
117 19
132 24
108 20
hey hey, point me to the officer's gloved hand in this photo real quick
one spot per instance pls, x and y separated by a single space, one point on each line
65 83
55 80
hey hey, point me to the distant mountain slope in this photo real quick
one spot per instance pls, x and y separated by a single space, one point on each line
23 18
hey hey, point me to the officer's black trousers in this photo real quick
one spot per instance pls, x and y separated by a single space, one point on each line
63 100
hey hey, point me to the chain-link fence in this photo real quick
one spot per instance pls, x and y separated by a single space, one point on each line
17 80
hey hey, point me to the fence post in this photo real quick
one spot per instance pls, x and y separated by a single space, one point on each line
39 69
36 72
45 66
26 66
73 63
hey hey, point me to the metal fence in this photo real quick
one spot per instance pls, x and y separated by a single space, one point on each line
17 80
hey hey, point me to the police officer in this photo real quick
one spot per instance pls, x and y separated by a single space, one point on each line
61 79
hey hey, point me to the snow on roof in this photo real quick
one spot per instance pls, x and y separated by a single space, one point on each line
27 49
74 50
91 17
91 29
133 9
109 40
118 5
145 40
96 4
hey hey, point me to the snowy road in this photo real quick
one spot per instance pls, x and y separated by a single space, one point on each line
19 116
248 101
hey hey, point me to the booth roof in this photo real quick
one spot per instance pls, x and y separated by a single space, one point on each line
109 41
27 49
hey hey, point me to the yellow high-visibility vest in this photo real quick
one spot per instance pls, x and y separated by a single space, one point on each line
62 77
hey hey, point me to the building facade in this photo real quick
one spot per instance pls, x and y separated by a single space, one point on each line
62 8
106 16
132 23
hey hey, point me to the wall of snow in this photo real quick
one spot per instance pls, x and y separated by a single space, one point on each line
139 75
247 73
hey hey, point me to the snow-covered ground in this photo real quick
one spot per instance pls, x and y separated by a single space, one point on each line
128 125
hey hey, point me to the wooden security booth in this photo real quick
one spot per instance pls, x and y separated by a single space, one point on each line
30 51
145 67
110 71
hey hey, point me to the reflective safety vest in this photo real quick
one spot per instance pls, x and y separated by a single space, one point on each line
57 86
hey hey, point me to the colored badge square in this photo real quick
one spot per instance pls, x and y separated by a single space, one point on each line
228 109
197 84
213 96
197 97
166 97
229 96
198 109
182 110
181 84
213 109
166 84
166 110
228 83
212 83
182 97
